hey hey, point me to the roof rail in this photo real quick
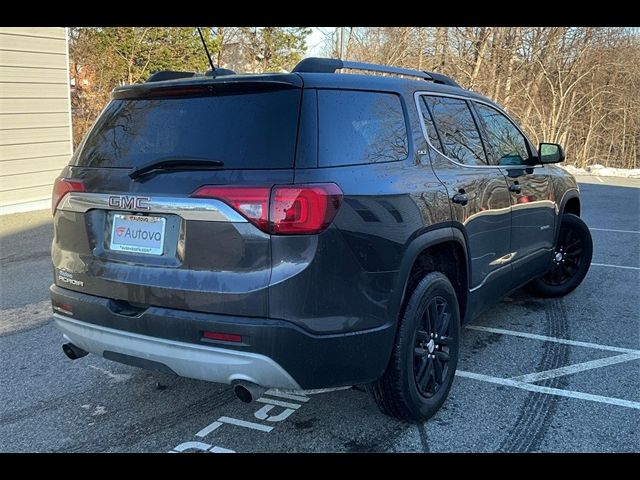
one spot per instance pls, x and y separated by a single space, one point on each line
330 65
169 75
443 79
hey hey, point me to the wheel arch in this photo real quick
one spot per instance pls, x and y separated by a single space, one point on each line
570 203
443 244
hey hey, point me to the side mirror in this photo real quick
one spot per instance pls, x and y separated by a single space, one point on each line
550 153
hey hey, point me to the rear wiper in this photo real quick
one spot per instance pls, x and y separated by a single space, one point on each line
176 164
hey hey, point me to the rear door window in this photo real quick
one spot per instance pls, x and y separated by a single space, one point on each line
457 130
245 130
360 127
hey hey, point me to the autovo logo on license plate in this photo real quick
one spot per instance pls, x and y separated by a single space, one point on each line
138 234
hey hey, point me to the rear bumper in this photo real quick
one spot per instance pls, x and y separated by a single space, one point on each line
187 360
273 353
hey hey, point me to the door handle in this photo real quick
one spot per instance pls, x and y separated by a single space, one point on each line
460 198
515 187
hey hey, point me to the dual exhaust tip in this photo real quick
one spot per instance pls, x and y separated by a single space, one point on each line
246 392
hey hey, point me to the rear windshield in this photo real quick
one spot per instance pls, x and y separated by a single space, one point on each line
243 130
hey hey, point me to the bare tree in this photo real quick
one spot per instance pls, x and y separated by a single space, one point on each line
579 86
576 86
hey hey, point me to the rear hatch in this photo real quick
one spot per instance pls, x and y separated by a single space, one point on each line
128 225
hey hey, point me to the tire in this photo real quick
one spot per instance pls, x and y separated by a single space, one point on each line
397 392
570 262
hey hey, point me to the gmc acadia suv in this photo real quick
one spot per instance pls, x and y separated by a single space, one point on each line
306 230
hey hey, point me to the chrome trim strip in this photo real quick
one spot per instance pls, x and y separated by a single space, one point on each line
205 209
416 97
489 275
502 260
540 251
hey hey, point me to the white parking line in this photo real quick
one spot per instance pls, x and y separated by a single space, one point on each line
208 429
612 230
278 403
548 390
545 338
578 367
276 393
614 266
243 423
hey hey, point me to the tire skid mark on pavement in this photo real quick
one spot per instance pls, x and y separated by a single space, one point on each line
24 257
25 318
424 440
134 432
538 409
382 442
15 416
386 441
29 328
40 407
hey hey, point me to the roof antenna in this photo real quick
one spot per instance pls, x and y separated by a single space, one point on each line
204 44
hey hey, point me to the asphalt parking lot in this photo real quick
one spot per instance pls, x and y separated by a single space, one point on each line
534 375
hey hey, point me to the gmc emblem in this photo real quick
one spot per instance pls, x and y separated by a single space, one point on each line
128 202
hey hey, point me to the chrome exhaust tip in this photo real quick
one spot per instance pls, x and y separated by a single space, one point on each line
247 392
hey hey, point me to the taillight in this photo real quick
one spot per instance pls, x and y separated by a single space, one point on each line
304 208
61 187
285 209
252 202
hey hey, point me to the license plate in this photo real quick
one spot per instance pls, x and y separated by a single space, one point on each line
138 234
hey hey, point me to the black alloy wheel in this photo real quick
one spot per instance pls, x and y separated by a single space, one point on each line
431 350
424 357
570 259
567 257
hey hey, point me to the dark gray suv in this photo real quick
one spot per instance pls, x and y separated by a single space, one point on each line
305 230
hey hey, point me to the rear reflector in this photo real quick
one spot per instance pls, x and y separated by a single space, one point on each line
283 210
225 337
61 187
65 308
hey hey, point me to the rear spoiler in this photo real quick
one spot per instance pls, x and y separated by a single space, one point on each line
172 84
174 75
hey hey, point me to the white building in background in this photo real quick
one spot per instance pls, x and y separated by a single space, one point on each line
35 115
